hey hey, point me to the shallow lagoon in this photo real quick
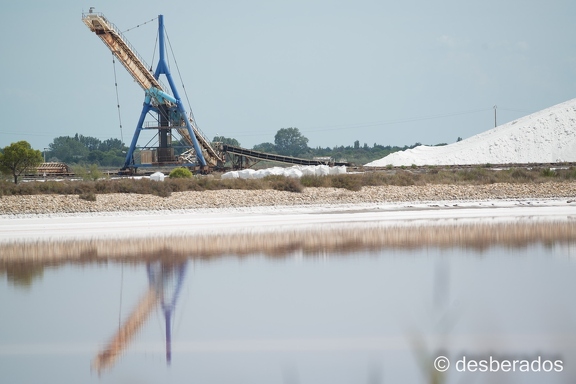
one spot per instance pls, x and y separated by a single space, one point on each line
360 316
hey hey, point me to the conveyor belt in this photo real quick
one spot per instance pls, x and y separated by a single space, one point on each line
273 157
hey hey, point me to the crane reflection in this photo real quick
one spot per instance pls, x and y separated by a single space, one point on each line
165 281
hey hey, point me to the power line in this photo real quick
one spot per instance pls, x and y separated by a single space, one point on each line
374 123
398 121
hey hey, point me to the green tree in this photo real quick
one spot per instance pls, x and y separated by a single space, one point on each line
265 147
289 141
226 140
68 149
18 157
112 144
89 142
96 156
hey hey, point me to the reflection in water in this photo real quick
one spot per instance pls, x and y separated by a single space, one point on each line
372 307
164 284
360 237
23 274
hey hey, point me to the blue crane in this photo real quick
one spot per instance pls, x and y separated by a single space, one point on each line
168 108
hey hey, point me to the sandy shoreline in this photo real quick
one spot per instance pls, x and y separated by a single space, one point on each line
51 204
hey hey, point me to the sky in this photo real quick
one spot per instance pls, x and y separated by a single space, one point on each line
376 71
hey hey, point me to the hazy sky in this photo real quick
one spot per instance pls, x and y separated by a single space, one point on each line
375 71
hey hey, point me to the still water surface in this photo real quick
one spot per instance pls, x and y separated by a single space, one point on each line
377 317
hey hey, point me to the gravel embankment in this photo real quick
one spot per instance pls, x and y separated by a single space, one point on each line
43 204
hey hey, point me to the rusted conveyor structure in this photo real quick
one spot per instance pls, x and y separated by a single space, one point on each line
168 107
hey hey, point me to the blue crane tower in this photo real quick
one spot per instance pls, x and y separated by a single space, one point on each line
167 109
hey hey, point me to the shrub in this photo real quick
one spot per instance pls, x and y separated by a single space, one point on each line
157 189
547 172
101 186
375 179
80 172
350 182
569 173
284 183
314 181
476 175
289 184
521 174
95 173
403 178
180 173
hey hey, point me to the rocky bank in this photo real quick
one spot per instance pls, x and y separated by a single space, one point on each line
49 204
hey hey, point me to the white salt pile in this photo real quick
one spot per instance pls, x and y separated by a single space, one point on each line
296 171
547 136
157 176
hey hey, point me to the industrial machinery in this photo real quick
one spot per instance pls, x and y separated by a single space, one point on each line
163 103
169 114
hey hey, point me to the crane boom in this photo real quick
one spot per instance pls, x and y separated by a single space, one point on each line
119 45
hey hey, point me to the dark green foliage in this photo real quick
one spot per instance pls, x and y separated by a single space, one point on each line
356 154
290 142
85 149
265 147
19 157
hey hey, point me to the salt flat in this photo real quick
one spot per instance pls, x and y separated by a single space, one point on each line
276 219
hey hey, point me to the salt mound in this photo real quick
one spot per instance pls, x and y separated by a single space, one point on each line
547 136
296 171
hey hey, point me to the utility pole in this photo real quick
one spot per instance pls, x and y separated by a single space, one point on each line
495 107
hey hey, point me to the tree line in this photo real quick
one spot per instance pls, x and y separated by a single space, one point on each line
87 150
291 142
83 150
